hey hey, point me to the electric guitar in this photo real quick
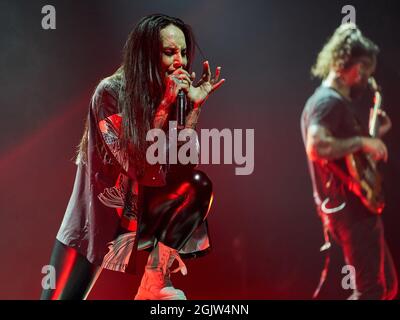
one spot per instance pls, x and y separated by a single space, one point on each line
366 179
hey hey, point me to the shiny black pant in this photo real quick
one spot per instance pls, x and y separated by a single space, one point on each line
171 214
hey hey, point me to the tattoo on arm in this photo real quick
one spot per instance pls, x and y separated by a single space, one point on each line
192 118
322 145
161 115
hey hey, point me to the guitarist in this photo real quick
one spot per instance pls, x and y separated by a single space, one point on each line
331 132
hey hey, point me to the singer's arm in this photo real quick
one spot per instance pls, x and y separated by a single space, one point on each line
178 80
164 109
193 117
198 94
161 115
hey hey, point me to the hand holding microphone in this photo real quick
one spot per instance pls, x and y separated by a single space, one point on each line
174 82
177 86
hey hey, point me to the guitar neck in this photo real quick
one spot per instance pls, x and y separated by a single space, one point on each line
374 123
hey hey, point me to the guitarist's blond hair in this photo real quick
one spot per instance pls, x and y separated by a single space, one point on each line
343 48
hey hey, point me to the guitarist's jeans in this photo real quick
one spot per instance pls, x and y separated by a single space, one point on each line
361 236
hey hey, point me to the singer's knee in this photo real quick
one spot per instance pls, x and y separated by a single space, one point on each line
202 185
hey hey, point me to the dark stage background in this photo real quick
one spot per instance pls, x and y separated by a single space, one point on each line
266 235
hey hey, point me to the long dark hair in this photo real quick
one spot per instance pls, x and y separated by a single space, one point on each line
143 79
143 82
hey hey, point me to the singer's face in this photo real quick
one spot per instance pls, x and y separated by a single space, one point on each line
173 49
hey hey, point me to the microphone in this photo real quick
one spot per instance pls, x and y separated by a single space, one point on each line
181 109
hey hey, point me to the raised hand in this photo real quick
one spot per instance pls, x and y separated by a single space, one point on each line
179 79
207 84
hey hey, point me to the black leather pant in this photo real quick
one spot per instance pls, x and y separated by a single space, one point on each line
74 274
171 214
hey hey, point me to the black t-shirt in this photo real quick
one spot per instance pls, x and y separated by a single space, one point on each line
327 108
